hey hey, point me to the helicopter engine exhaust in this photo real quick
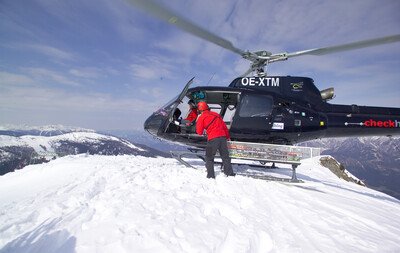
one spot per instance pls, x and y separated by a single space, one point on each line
327 94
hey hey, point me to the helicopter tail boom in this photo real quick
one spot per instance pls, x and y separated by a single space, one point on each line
353 120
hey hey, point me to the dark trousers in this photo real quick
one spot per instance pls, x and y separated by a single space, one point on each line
213 145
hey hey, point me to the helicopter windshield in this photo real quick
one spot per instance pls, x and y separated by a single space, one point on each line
168 106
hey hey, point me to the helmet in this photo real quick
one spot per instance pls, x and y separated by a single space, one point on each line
202 106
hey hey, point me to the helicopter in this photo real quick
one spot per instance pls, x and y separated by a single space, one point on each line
268 109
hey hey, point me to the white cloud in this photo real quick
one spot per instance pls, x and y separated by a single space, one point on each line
11 79
181 43
46 50
51 51
90 72
50 76
42 100
127 21
36 105
147 72
153 92
153 67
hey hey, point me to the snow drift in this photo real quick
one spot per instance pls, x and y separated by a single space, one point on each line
96 203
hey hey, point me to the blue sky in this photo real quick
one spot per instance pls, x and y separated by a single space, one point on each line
105 65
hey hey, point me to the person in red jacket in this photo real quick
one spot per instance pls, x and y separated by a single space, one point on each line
192 115
217 136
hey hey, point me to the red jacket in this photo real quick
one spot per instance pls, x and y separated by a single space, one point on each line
214 125
192 116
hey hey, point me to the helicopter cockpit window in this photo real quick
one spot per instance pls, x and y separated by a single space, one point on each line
169 105
215 107
253 105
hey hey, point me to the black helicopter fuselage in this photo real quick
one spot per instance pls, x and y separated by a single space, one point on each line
276 109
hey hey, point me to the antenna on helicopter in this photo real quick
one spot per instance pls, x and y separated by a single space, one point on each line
212 76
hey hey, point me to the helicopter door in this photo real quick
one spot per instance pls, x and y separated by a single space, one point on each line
253 116
170 122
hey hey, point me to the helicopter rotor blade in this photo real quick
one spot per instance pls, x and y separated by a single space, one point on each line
171 17
345 47
251 69
259 59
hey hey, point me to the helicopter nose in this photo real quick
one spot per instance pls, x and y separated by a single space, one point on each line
153 124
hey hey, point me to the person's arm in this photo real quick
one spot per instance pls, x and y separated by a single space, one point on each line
191 116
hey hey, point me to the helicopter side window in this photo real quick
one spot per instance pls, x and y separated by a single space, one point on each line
228 116
215 108
253 105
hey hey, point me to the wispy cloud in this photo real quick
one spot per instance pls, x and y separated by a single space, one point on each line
52 52
11 80
44 99
153 92
50 76
45 50
148 72
153 67
126 20
89 72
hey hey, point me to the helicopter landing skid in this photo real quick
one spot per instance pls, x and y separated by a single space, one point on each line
271 178
198 153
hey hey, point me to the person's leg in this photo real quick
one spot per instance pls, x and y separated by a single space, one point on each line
226 160
211 149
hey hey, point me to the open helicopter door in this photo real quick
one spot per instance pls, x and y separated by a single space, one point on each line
173 114
161 121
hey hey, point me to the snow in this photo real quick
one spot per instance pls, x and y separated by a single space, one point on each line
135 204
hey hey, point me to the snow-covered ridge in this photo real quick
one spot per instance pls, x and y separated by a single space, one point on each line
17 152
136 204
47 128
50 130
43 144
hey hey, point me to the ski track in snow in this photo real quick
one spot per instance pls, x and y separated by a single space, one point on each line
136 204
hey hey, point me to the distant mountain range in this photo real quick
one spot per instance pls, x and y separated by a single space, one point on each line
49 130
375 160
20 147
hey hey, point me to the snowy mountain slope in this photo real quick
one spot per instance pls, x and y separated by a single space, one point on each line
46 145
376 160
16 152
136 204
